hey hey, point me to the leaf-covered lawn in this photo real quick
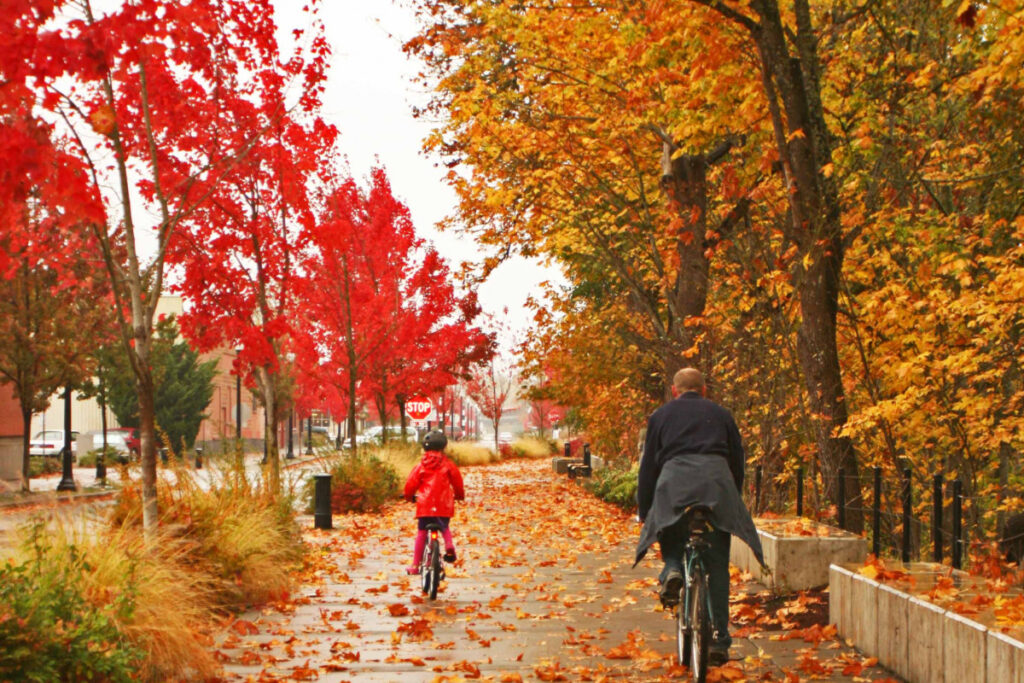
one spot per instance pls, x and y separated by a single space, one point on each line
543 590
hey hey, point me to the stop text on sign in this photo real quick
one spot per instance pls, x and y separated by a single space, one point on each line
419 408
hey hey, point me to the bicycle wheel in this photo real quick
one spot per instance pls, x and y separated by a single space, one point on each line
699 619
435 568
683 634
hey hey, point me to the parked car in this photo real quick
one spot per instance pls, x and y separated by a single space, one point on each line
505 437
375 435
50 442
131 438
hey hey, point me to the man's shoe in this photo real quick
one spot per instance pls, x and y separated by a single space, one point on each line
718 655
449 555
671 587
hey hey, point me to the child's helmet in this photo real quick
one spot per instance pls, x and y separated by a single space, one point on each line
435 441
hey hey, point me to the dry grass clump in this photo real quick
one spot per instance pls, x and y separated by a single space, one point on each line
157 605
531 447
402 457
466 454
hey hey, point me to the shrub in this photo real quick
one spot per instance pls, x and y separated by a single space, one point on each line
49 629
38 466
113 457
616 486
359 483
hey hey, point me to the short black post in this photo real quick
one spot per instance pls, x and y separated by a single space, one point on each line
199 458
568 450
937 518
799 491
309 435
163 455
905 547
586 455
841 497
322 502
876 513
758 473
957 510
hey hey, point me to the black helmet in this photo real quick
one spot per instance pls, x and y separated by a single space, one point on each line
435 441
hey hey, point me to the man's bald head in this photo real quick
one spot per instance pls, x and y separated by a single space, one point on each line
688 379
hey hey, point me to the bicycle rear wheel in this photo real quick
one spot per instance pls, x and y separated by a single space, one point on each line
684 637
434 559
699 618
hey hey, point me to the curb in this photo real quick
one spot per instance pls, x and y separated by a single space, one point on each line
52 498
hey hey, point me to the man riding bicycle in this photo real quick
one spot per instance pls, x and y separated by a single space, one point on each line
693 456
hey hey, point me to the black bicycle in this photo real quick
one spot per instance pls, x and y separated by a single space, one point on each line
432 564
694 630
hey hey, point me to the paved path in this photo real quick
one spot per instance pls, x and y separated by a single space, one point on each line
543 590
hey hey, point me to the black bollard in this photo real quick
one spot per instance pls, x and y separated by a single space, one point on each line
876 510
841 503
568 450
799 491
322 502
937 518
905 547
957 511
163 455
586 456
199 458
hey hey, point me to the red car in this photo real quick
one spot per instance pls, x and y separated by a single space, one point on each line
131 438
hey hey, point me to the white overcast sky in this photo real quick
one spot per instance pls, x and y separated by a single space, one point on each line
370 95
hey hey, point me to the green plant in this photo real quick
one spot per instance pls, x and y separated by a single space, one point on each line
359 483
112 457
49 629
615 486
38 465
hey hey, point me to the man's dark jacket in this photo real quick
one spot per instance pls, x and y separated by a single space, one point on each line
693 455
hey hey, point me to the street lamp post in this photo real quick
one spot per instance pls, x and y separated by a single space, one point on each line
291 432
67 480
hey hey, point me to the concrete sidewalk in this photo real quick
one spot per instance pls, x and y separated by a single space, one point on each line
543 590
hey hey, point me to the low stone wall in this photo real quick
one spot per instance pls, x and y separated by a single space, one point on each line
919 639
10 458
797 562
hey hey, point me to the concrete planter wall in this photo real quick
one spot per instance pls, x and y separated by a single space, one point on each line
921 640
798 562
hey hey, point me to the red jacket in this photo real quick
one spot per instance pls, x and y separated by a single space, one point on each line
436 484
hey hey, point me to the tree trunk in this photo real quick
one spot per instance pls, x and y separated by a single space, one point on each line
26 423
352 410
147 446
803 141
267 383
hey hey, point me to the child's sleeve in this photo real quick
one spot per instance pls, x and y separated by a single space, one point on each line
412 484
456 479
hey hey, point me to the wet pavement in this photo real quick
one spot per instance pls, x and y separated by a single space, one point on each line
543 590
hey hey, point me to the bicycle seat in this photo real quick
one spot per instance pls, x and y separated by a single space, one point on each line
699 518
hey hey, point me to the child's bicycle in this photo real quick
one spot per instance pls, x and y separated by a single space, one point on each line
432 564
694 630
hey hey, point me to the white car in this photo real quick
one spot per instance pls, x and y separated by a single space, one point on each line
374 435
50 443
505 437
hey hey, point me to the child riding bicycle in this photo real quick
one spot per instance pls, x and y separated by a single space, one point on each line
435 484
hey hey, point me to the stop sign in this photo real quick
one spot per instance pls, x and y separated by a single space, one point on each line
419 408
